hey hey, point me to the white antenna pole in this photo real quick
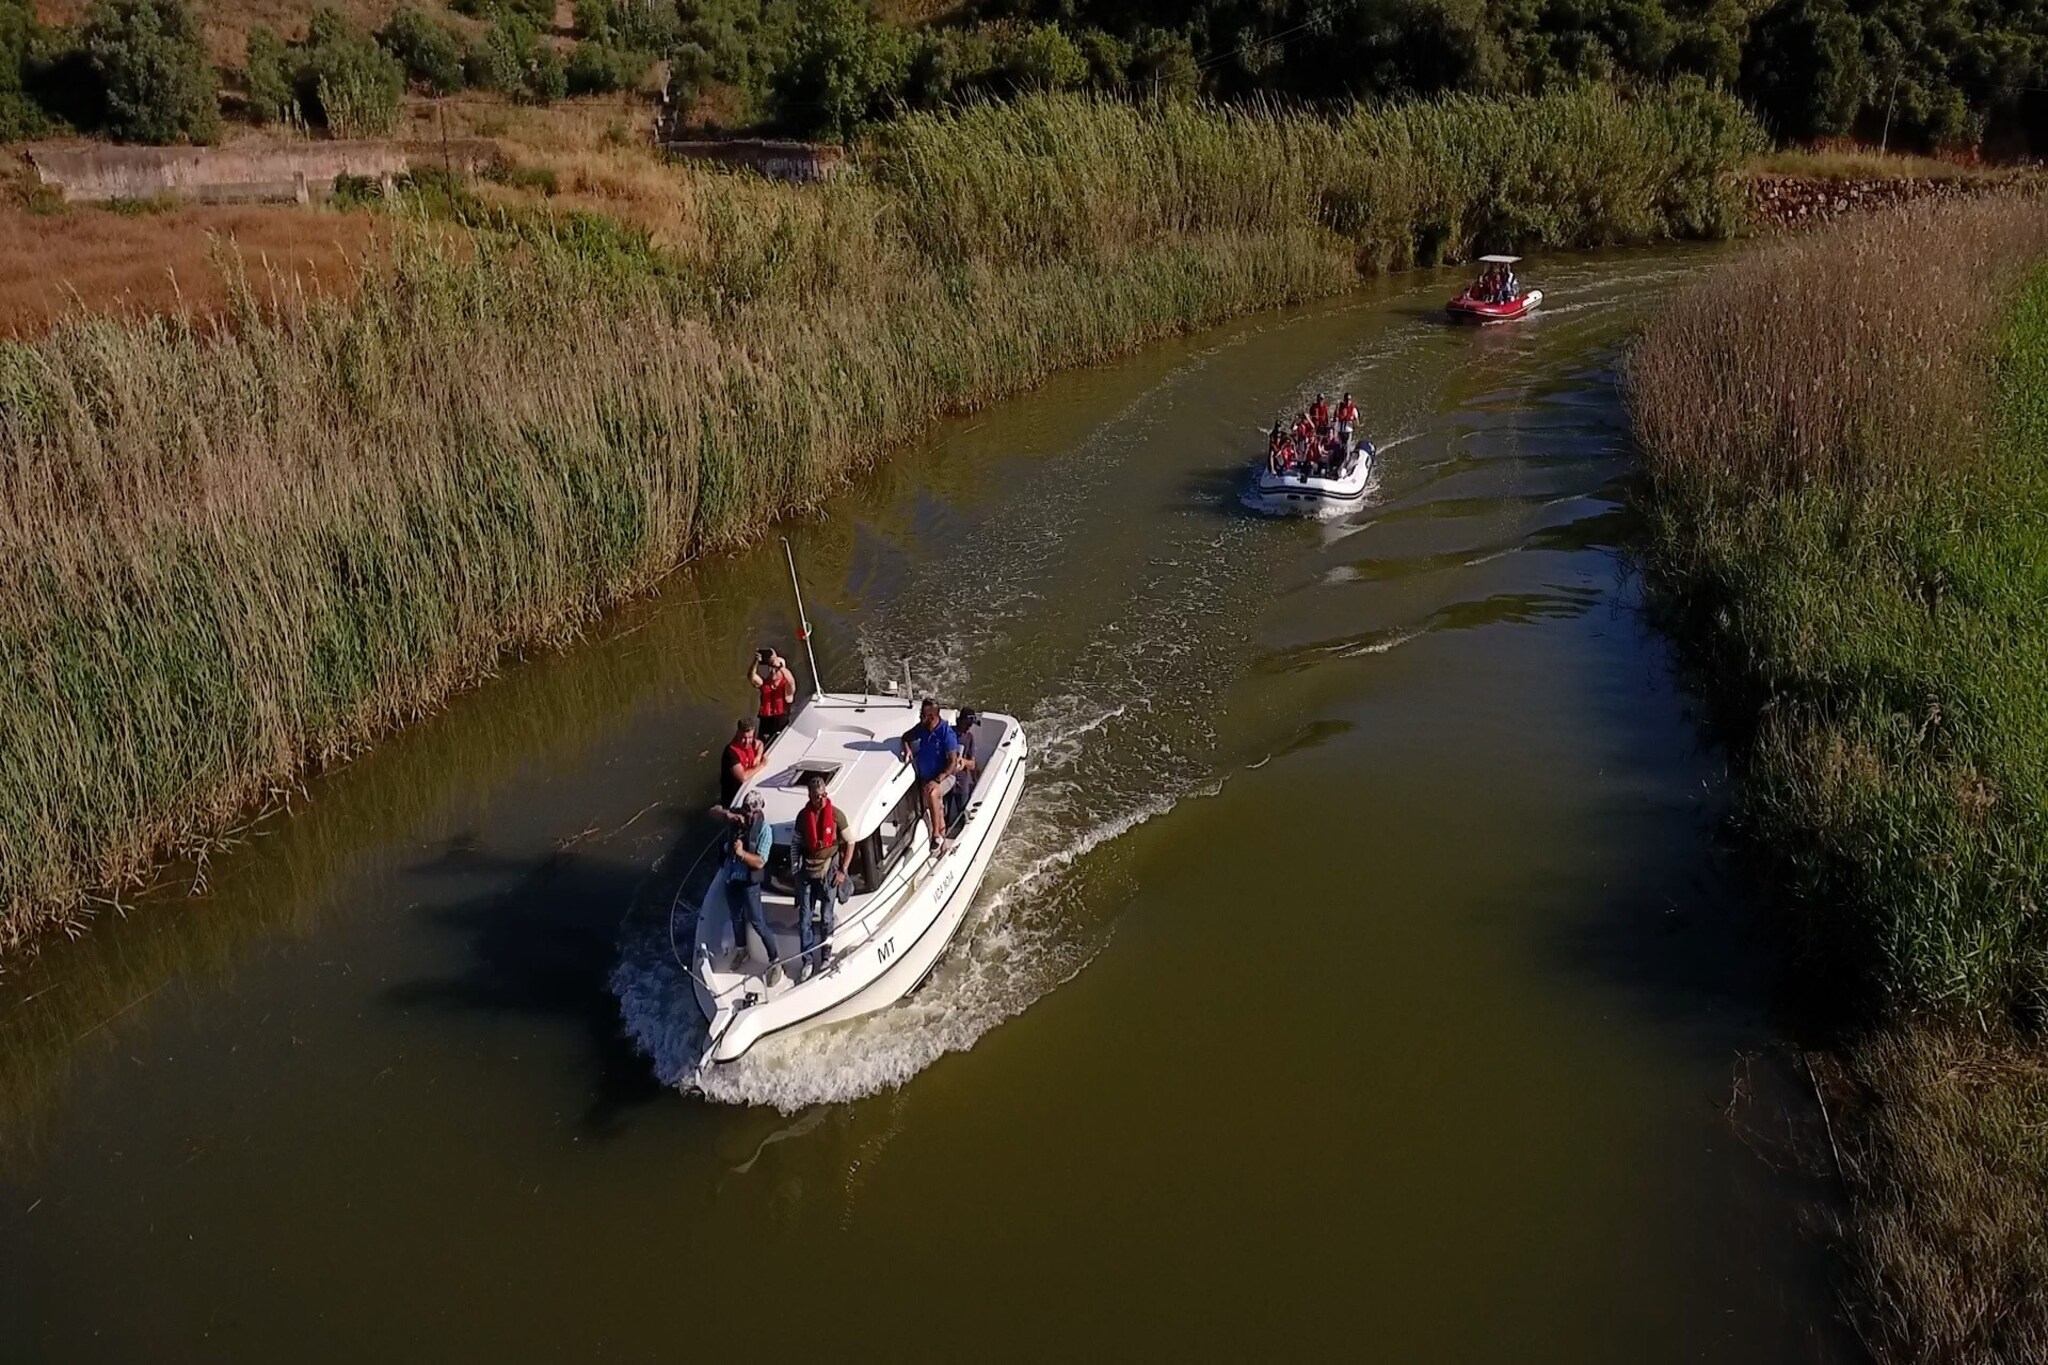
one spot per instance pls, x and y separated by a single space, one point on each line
909 687
803 622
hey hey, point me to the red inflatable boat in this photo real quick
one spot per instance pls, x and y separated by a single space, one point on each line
1474 306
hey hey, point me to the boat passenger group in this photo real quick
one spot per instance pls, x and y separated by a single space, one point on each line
1318 441
821 854
1496 285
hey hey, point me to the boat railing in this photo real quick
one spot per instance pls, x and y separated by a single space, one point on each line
838 939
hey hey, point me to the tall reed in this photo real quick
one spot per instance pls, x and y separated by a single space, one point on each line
228 555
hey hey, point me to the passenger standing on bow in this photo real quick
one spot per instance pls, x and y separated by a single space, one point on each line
824 855
746 866
778 691
934 750
1319 416
1347 422
744 757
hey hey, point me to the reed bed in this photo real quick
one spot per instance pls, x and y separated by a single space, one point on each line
232 554
1845 506
1847 525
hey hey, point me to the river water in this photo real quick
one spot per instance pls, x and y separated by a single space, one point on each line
1361 979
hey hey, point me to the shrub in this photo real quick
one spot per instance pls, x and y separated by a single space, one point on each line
346 83
843 70
599 69
58 78
1163 64
150 60
540 14
427 48
637 25
19 115
1041 57
546 79
269 68
513 60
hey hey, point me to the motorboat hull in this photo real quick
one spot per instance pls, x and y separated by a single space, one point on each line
1298 495
883 951
1464 308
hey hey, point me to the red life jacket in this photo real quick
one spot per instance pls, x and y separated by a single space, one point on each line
746 753
816 830
1320 414
1348 413
773 701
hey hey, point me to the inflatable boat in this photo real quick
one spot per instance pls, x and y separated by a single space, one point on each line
1320 493
1472 306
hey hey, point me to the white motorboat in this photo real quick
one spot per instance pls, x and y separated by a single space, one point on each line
907 898
1319 492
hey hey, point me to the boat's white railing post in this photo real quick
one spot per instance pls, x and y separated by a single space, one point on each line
803 622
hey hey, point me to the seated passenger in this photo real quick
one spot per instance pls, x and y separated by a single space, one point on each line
823 855
964 779
934 750
744 757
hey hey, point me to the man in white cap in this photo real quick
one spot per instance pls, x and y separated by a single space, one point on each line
746 867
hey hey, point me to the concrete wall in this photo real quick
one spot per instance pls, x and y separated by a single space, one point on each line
800 161
299 170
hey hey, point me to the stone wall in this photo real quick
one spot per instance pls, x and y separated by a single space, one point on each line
96 172
1784 201
778 160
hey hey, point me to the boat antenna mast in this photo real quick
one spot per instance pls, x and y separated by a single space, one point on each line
803 622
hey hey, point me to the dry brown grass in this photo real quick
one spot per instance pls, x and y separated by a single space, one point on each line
1946 1156
1865 163
1842 359
97 261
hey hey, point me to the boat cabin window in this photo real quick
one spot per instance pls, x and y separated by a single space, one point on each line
881 851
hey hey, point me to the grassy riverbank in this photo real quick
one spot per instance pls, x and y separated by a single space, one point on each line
230 555
1849 522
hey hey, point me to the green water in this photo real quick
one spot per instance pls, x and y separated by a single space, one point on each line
1360 980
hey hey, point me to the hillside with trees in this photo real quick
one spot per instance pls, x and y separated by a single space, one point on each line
1914 74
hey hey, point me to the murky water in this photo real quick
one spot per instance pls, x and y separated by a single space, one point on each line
1360 980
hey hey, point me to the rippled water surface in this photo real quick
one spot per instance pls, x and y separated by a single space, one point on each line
1359 980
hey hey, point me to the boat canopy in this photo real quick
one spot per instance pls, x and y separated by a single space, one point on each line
1500 260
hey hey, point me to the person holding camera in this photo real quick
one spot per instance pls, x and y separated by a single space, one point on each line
746 867
777 685
824 855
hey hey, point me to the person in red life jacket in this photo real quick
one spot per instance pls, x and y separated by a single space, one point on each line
1319 416
1304 430
744 757
934 750
1347 421
823 857
777 686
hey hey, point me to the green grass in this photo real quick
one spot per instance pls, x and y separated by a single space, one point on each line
229 556
1848 532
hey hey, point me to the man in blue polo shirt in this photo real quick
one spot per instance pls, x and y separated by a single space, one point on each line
934 750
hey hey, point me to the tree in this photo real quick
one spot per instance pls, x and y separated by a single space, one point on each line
270 69
347 83
599 68
427 48
843 70
20 116
150 60
1804 70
